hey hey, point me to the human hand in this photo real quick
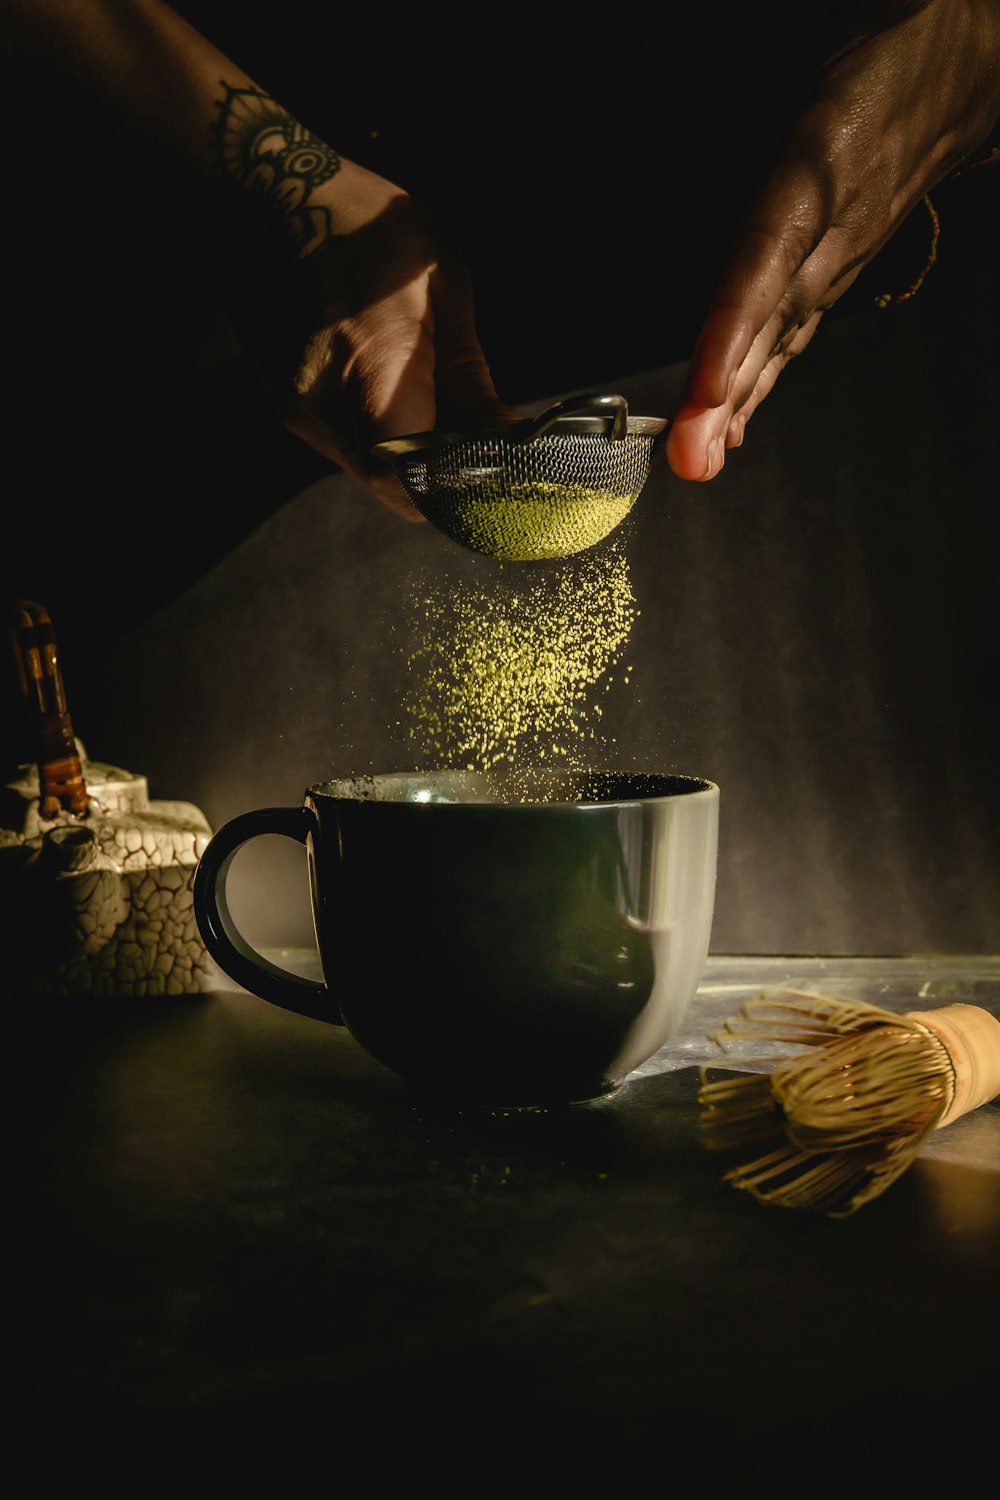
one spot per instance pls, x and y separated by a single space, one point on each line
357 314
915 90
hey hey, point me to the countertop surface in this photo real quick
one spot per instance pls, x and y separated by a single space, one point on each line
231 1225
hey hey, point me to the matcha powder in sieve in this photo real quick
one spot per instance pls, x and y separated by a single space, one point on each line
527 521
510 669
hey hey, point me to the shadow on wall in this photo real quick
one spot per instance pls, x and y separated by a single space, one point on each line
816 630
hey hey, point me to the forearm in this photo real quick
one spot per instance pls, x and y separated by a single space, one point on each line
153 70
139 57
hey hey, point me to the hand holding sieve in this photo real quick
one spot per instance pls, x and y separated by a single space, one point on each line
544 487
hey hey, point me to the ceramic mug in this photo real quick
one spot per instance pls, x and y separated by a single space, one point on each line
507 941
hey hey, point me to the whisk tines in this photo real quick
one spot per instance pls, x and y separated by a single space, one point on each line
842 1109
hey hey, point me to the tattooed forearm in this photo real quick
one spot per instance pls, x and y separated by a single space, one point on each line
274 156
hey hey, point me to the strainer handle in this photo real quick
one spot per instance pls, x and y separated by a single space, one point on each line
591 405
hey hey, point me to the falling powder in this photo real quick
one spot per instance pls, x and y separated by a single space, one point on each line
509 670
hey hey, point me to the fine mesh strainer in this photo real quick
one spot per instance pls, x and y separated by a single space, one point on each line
544 487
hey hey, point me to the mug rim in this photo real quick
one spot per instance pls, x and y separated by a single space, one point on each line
682 784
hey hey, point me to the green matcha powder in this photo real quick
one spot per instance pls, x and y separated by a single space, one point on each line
510 671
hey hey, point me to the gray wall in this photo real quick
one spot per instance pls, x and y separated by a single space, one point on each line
817 633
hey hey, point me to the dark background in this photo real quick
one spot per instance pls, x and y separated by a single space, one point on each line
818 626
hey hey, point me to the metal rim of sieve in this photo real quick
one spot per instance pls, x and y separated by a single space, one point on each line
562 467
594 414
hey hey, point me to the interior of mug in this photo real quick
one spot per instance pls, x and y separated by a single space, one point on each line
512 784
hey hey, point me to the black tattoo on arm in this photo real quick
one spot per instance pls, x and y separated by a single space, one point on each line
274 156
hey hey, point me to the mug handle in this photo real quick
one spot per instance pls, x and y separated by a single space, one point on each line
222 938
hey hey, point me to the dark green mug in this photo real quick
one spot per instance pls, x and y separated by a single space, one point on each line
505 941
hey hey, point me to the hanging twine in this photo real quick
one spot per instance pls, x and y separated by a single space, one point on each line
988 154
886 298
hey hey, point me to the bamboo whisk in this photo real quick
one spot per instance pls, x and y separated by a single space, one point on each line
835 1124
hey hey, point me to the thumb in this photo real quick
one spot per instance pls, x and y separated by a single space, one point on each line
466 394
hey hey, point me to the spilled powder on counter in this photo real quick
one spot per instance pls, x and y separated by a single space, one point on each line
510 670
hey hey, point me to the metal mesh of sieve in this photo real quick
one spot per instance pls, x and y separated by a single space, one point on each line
544 487
490 468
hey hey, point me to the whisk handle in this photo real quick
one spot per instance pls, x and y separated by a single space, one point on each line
972 1037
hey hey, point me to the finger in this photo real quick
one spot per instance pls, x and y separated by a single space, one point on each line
694 446
820 283
381 482
767 379
392 380
466 394
786 225
699 436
